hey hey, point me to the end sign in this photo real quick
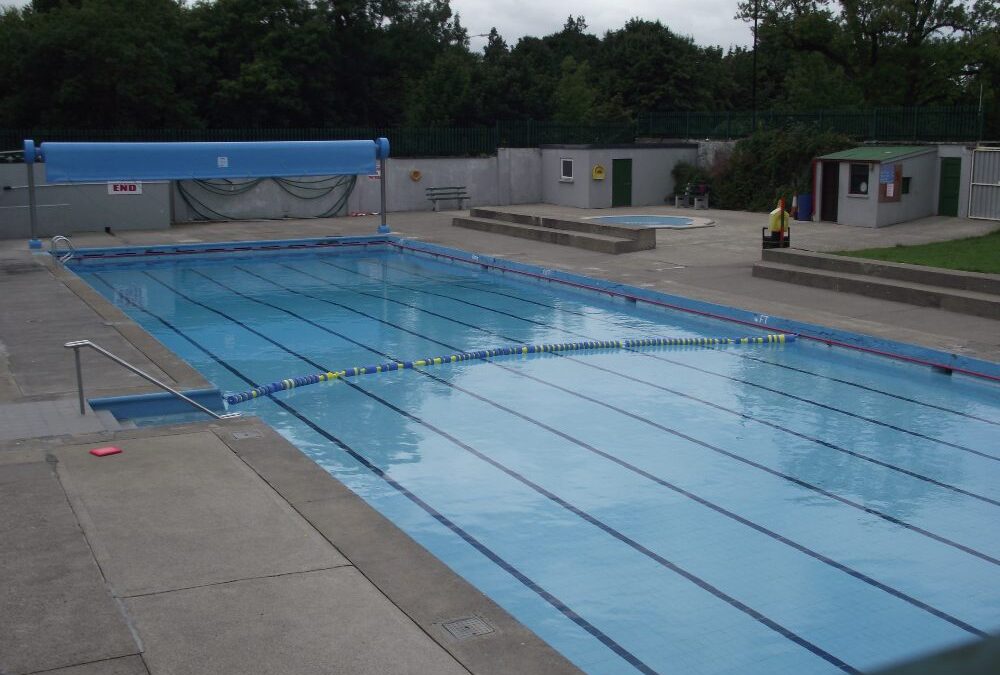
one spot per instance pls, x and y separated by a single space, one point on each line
124 188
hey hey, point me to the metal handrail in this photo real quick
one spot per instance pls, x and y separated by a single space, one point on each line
76 345
69 244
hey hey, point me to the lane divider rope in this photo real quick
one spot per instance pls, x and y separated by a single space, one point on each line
628 343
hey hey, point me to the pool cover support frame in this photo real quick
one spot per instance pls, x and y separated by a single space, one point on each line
186 161
482 354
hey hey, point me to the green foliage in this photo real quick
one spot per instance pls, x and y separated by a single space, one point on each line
769 165
972 254
685 174
333 63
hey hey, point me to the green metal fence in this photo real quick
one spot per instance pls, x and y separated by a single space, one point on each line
879 124
874 124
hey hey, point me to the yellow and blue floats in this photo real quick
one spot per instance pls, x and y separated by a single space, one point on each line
509 350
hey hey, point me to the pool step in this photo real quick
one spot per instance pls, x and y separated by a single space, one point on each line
976 303
931 276
584 234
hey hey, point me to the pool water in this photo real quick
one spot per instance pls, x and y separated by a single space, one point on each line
791 508
648 221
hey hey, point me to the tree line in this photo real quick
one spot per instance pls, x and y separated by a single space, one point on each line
98 64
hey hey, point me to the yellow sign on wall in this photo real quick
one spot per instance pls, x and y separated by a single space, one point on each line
598 172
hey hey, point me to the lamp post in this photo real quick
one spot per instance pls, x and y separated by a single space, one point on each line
753 85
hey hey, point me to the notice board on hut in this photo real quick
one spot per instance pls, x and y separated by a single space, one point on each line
890 182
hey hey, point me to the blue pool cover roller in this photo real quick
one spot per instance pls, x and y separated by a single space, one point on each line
627 343
87 162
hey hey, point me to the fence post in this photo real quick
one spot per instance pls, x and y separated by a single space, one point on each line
687 124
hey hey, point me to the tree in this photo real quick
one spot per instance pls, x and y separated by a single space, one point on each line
574 97
886 47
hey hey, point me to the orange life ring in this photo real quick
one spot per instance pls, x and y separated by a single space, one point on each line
415 175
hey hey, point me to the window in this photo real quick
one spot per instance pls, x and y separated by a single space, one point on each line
859 179
567 171
906 185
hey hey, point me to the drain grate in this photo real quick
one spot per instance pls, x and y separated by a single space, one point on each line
469 627
244 435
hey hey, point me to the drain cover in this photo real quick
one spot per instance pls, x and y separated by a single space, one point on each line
463 629
243 435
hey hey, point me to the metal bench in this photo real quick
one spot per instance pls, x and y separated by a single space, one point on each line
456 192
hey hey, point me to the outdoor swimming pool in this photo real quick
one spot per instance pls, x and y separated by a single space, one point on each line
791 508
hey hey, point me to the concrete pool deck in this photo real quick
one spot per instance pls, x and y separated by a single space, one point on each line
218 547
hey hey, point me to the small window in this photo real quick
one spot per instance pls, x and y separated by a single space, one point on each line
906 185
567 171
859 179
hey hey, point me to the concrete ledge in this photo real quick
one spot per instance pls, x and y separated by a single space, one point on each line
923 295
640 234
918 274
591 242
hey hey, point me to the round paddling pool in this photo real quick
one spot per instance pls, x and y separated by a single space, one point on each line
647 221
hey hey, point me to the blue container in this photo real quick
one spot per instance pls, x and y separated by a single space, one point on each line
805 207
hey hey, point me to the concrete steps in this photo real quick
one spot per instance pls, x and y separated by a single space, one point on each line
954 291
578 233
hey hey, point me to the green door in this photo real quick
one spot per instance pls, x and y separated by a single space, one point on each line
951 177
621 182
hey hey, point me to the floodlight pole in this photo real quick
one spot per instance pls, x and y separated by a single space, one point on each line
29 163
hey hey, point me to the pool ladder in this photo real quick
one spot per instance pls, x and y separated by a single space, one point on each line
77 345
70 249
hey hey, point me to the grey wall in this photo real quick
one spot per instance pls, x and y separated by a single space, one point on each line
651 174
923 196
867 211
856 209
68 208
561 193
478 175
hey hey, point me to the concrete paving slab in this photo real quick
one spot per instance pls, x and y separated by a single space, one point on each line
327 622
56 610
179 511
293 475
37 419
126 665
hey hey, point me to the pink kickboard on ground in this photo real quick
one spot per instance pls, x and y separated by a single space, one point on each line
104 452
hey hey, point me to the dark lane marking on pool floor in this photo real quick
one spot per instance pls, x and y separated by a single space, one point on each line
742 356
802 399
578 512
801 548
587 363
564 609
739 458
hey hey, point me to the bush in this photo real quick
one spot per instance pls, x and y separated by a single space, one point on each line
688 174
769 165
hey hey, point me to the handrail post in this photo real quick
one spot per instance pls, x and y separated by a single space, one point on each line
75 346
79 379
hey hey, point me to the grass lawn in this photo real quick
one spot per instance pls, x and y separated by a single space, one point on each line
974 254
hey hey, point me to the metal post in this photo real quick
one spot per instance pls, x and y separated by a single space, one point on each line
753 85
29 162
383 228
79 380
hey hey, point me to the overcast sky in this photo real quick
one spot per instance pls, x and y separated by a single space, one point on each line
709 22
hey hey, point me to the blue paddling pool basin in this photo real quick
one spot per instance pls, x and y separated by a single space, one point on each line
647 221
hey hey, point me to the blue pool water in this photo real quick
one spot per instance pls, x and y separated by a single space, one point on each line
648 221
790 508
